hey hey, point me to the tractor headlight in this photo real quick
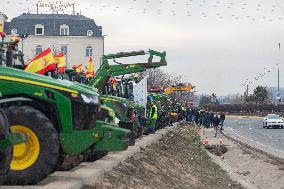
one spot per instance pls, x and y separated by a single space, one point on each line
90 99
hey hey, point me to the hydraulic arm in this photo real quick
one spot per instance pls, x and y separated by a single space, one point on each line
106 70
181 87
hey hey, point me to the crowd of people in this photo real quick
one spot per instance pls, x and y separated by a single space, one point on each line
203 118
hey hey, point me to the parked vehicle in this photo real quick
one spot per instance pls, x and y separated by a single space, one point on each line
273 121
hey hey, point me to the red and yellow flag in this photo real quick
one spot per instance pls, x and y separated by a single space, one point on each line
90 69
1 26
42 63
78 68
60 61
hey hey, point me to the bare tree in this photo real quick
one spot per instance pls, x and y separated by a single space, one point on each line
162 79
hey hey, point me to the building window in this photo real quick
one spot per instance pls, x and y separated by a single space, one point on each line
64 50
38 50
90 33
39 29
64 29
89 51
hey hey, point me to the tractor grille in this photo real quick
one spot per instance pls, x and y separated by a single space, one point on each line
84 115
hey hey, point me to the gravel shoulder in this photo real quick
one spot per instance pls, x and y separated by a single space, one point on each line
254 167
178 161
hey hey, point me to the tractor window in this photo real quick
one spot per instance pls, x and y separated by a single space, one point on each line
84 116
105 116
119 108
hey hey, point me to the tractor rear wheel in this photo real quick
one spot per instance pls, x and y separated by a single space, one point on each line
35 159
5 154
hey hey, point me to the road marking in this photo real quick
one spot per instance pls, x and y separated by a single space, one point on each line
256 142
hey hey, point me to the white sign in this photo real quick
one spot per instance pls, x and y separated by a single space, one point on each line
140 92
14 31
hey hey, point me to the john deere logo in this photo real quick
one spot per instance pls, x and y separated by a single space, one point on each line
38 94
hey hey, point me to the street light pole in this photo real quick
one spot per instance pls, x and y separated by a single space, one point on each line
104 43
278 75
103 37
23 37
23 45
278 81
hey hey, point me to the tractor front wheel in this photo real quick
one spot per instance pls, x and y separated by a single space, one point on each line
35 159
5 154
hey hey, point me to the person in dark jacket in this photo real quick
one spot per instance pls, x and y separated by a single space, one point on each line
197 115
216 122
211 118
207 119
222 119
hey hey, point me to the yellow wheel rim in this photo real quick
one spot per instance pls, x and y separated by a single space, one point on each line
25 154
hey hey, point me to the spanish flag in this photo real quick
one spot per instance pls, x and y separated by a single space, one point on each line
60 61
79 69
42 63
90 69
1 26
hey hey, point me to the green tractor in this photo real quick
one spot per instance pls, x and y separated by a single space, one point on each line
7 140
124 108
107 71
129 115
125 114
5 147
59 119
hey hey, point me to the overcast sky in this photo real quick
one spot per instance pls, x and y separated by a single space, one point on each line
216 45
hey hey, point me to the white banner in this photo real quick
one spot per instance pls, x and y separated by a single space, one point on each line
140 92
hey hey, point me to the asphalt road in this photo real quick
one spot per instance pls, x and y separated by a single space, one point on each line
252 130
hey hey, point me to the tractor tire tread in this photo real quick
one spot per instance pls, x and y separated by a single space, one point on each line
6 154
49 145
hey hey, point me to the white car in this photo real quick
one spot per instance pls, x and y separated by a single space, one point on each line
272 121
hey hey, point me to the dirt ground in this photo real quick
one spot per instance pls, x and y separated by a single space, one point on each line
262 170
178 161
252 167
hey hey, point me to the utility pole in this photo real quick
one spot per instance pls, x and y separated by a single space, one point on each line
278 81
278 76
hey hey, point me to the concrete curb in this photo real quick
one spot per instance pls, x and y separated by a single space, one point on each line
88 173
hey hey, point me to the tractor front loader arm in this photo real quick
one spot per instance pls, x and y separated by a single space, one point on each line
106 70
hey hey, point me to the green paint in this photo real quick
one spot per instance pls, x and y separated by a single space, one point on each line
106 70
12 139
17 83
